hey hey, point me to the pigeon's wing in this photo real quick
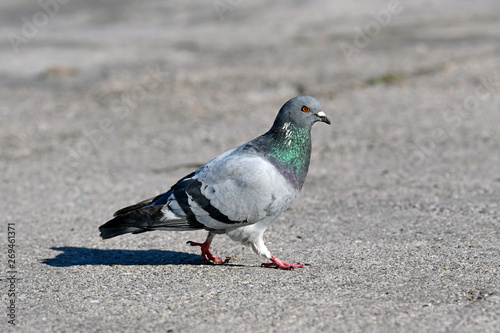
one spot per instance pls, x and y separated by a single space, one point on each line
159 199
133 207
235 189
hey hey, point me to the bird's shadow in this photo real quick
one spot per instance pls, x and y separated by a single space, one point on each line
79 256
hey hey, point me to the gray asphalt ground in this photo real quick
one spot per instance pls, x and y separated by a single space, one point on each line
105 103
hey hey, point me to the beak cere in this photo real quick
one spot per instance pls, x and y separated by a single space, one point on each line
322 116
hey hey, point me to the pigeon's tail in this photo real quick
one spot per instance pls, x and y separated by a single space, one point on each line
143 219
110 232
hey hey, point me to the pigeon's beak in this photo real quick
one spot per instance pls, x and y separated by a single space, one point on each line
322 117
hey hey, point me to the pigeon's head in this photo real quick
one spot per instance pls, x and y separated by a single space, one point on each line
303 111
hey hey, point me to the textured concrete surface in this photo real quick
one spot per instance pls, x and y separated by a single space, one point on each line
105 103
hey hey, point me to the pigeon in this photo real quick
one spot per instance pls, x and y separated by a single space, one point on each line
239 193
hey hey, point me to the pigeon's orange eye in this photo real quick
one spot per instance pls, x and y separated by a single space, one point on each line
305 109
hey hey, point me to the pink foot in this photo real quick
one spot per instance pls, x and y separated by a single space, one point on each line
205 253
281 264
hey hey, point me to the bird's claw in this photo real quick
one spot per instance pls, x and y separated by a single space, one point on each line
219 261
287 267
207 256
277 263
271 265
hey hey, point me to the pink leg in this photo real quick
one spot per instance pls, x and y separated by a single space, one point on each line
205 252
281 264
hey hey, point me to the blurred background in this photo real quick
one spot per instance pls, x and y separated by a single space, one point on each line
105 103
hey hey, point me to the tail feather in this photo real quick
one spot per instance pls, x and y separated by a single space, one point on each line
142 219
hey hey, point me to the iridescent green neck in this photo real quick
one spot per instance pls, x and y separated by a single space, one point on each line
290 151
